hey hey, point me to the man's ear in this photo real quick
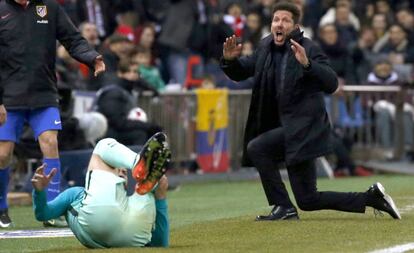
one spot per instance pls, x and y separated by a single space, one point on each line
297 26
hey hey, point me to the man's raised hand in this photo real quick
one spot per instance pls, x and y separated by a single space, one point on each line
40 180
299 52
231 49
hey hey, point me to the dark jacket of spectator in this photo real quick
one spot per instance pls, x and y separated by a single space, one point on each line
340 60
115 102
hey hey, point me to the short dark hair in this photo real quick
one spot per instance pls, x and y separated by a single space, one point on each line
290 7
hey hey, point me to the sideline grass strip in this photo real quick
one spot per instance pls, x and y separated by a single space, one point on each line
218 217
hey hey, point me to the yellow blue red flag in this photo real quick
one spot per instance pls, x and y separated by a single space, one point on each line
211 136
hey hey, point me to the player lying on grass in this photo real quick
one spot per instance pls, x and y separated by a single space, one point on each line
101 215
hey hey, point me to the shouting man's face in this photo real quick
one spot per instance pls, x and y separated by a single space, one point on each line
282 26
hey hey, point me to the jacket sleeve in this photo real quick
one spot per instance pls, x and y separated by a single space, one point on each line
70 37
240 68
321 70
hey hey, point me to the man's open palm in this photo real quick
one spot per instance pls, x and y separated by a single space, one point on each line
231 49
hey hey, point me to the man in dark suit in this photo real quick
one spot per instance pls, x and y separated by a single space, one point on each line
287 121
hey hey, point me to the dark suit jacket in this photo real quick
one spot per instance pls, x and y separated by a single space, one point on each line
299 106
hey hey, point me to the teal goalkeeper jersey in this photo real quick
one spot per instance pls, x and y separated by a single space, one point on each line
69 204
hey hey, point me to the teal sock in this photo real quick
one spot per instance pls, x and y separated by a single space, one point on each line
116 154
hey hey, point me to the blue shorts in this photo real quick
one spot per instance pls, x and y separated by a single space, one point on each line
40 120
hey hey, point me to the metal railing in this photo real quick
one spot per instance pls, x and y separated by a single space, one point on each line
176 113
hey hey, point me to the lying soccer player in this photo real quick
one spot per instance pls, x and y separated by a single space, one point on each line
101 215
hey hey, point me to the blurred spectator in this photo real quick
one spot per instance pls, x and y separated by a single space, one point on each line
90 33
94 126
383 74
380 26
253 29
364 10
346 30
98 12
383 7
337 53
176 37
142 57
265 10
342 148
145 38
405 18
115 101
119 48
397 47
235 18
68 70
232 22
307 31
330 16
362 54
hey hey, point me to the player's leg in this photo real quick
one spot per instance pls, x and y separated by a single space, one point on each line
45 123
6 151
147 167
9 133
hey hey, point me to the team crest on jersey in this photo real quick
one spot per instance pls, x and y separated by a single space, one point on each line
41 10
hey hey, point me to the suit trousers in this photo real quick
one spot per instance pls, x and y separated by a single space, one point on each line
267 152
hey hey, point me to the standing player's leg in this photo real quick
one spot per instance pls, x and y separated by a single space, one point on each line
9 133
45 123
6 150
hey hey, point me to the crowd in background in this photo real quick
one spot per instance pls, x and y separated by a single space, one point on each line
174 45
162 37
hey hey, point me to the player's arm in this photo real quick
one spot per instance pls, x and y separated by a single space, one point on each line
50 210
160 235
77 46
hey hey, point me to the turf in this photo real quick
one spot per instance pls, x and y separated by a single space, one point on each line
218 217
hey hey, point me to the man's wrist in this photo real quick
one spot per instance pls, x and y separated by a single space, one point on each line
307 66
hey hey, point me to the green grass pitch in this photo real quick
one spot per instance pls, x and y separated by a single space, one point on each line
219 217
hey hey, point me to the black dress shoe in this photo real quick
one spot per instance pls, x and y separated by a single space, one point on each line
280 213
382 201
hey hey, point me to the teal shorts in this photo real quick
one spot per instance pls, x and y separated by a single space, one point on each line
110 217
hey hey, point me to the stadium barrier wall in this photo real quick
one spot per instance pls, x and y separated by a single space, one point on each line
351 111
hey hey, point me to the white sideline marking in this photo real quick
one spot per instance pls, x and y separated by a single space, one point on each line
396 249
36 233
406 209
